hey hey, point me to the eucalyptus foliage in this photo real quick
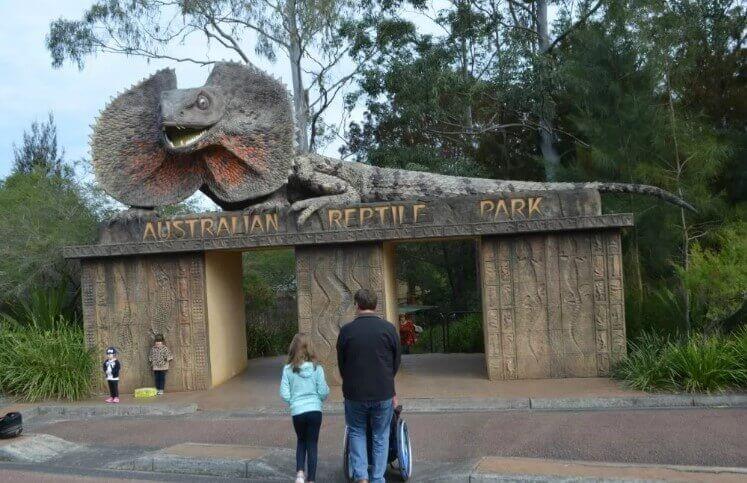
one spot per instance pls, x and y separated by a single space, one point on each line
306 32
41 214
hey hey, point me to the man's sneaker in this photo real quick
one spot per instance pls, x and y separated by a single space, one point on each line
116 400
160 393
109 399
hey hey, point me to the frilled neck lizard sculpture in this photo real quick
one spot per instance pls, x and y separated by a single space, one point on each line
232 138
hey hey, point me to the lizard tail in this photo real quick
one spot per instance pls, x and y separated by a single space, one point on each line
641 189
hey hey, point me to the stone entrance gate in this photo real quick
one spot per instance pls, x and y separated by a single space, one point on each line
550 272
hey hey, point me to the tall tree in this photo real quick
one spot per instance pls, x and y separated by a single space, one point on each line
628 91
38 150
445 102
306 31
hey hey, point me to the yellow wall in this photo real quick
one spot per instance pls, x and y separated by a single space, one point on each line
225 315
390 284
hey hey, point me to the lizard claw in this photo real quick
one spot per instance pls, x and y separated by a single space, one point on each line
305 214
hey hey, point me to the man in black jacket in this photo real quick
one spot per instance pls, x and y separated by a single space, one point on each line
368 354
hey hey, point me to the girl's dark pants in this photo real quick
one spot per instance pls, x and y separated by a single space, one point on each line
307 429
113 388
160 379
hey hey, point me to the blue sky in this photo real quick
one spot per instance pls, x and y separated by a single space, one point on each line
30 87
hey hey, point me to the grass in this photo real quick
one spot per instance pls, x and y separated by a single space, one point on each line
702 363
38 363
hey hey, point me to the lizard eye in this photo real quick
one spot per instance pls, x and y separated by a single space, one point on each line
202 102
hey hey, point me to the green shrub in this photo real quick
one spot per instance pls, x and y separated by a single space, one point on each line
465 335
717 277
643 369
266 340
42 308
37 363
738 343
703 364
41 214
699 364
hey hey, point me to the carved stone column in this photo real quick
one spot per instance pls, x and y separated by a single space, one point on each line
552 304
328 276
126 300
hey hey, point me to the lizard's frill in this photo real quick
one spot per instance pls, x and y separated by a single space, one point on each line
128 159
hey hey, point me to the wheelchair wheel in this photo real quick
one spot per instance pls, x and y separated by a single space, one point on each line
347 470
404 451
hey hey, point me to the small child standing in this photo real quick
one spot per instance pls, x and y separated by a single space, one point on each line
304 388
111 369
160 355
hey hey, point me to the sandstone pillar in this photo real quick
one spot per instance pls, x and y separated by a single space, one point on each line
225 315
195 300
126 300
552 304
328 276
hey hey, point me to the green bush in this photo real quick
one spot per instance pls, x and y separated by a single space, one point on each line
465 336
643 368
717 277
267 340
41 214
38 363
42 308
699 364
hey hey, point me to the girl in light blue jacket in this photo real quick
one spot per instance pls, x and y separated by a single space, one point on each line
304 388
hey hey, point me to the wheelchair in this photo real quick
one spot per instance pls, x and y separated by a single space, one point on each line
399 458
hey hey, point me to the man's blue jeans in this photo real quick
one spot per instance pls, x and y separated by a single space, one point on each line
379 415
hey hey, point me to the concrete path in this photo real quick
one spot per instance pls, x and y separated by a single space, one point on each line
422 376
426 383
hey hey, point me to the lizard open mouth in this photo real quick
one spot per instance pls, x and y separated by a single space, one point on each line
182 137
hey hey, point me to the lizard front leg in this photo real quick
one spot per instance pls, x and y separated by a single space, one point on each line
276 201
331 190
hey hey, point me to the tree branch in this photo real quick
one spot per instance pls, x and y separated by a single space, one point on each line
576 25
230 39
151 55
257 29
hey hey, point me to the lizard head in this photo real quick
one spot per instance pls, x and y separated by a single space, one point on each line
232 138
189 118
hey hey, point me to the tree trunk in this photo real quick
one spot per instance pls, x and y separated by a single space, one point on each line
547 143
686 266
679 167
465 79
300 103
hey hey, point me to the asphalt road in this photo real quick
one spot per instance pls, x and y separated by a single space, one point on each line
707 437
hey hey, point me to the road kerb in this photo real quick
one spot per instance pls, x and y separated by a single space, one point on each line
112 410
491 468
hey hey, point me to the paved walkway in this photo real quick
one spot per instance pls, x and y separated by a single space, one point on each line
422 376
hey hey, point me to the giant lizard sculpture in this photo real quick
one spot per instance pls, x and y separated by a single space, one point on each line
232 138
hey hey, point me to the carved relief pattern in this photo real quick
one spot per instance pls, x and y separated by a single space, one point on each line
558 300
600 272
127 300
327 279
498 305
616 297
